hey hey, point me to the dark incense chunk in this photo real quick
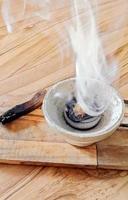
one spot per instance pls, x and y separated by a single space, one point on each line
23 109
77 118
75 112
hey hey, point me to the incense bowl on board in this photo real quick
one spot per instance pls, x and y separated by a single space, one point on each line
53 109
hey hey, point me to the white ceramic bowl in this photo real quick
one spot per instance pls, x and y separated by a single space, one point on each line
53 106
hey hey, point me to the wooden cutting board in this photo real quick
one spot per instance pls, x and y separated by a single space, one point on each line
29 140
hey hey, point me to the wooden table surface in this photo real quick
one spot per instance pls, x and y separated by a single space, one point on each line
29 60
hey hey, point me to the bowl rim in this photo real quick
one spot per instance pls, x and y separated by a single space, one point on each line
81 135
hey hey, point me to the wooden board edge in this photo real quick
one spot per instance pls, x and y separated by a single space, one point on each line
112 157
45 153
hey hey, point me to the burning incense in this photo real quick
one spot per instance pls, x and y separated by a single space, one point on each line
77 118
94 75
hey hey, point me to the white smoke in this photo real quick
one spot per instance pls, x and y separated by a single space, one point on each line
94 72
14 11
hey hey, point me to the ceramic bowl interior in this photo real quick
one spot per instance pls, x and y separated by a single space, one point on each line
53 107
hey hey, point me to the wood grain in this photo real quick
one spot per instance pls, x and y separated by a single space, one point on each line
113 152
40 146
29 61
46 153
